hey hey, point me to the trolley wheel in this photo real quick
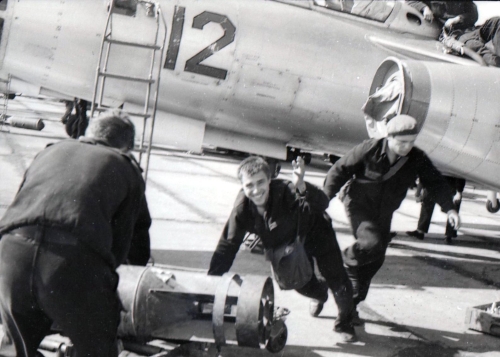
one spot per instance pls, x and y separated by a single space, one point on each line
277 342
489 206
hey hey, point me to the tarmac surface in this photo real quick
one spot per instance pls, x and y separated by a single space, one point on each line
417 302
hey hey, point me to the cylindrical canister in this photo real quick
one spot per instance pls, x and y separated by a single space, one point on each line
161 303
27 123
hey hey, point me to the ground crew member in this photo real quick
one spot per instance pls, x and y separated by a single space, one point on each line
457 19
378 173
79 213
457 186
451 15
270 209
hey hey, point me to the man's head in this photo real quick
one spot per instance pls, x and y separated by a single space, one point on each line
115 129
255 176
402 132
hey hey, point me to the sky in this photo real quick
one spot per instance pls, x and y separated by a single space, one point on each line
487 9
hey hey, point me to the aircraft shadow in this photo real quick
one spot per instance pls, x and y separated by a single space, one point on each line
245 262
404 271
394 271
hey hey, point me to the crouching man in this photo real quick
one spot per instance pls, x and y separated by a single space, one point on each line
378 173
277 211
79 213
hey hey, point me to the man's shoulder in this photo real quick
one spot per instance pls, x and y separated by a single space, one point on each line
373 142
96 149
240 200
369 144
280 183
417 152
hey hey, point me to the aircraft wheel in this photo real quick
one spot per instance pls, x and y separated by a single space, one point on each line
277 342
489 206
291 154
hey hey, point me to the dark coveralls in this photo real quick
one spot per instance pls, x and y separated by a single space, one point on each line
370 200
485 40
76 124
428 203
80 209
445 10
278 226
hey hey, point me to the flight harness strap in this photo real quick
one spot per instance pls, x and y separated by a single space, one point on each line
392 171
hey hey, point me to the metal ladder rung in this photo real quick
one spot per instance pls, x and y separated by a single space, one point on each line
141 115
132 114
126 78
133 44
138 149
155 44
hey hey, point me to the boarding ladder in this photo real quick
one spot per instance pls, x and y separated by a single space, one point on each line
151 82
5 91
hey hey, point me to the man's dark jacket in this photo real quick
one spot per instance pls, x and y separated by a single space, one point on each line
279 224
91 190
365 166
444 10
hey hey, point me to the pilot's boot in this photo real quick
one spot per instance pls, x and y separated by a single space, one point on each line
315 307
347 333
353 274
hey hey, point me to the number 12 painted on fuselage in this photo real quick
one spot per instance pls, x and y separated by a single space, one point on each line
193 64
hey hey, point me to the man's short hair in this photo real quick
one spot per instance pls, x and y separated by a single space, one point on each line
114 128
253 165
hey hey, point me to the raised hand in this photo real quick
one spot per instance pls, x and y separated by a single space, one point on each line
428 15
298 172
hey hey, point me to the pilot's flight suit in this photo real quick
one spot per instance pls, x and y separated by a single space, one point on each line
485 40
278 226
80 208
444 10
370 201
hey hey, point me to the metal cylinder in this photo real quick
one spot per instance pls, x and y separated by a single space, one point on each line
26 123
457 109
169 304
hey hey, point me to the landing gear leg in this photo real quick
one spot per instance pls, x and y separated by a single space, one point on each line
333 158
293 154
275 167
307 158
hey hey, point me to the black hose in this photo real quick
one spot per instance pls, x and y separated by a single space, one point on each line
474 55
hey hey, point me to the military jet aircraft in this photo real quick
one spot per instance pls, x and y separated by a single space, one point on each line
273 78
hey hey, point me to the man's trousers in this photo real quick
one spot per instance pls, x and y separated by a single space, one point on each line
43 283
366 256
328 256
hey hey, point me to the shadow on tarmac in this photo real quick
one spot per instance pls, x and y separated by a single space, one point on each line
395 270
376 345
245 262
